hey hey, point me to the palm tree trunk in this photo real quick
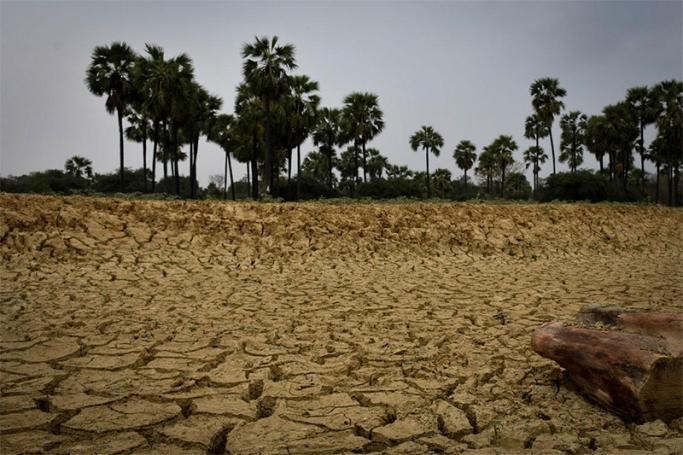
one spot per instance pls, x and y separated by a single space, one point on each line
254 169
429 190
626 160
355 165
364 163
269 151
658 165
552 145
502 182
670 184
120 120
676 181
465 177
191 167
195 184
298 170
232 183
225 177
602 169
329 164
642 157
176 150
289 166
144 162
154 154
248 174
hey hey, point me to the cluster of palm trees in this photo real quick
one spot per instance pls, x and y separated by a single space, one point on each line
161 102
615 133
276 111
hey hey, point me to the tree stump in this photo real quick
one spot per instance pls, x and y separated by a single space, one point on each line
633 366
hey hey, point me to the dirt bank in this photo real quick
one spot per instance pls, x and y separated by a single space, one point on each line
150 326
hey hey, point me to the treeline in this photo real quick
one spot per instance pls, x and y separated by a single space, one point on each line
276 111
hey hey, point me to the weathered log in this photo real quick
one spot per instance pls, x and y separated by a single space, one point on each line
632 374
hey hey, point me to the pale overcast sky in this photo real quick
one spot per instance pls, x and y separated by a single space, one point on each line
462 67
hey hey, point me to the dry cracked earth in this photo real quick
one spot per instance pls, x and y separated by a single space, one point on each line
174 327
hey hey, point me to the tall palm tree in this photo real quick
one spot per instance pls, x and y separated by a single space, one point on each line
365 120
573 137
79 167
501 149
621 131
488 167
644 108
535 155
265 69
546 97
164 83
304 116
535 129
202 111
430 141
110 73
465 155
249 129
326 135
596 138
138 131
221 133
669 96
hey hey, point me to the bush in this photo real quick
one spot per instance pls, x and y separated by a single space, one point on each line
50 181
167 186
585 186
461 192
133 181
390 189
309 188
517 186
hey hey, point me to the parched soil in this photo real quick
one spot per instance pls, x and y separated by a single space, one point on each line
195 327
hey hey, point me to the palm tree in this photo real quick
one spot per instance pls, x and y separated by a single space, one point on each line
79 167
376 163
535 155
669 96
535 129
221 133
365 120
487 168
110 73
326 135
621 131
138 131
465 155
596 138
249 129
573 137
643 107
265 71
501 149
202 111
546 94
657 155
304 116
430 141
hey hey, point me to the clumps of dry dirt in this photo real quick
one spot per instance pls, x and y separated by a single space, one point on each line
186 327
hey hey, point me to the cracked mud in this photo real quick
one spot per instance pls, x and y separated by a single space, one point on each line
180 327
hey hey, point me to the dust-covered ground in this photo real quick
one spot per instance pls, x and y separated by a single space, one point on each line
180 327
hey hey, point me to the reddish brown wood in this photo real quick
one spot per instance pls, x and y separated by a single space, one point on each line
634 375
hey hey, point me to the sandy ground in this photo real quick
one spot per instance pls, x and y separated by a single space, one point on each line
177 327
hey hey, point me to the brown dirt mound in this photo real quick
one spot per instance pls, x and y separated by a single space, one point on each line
150 326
